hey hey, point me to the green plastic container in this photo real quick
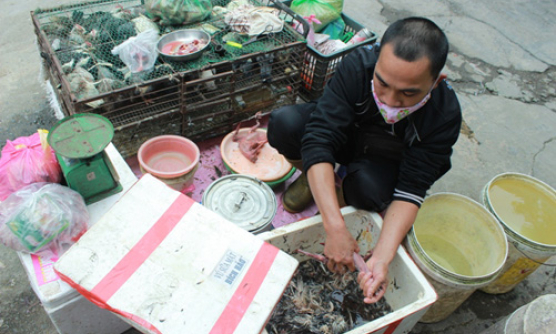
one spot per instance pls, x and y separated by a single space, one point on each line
272 184
318 68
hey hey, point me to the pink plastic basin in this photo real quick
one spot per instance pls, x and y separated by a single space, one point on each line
168 156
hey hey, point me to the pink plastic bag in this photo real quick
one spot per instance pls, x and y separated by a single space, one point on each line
27 160
312 19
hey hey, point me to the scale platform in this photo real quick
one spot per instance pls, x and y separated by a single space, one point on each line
79 142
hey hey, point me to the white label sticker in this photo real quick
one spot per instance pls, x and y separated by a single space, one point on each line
91 176
229 268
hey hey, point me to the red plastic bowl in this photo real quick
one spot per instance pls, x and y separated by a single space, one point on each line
168 156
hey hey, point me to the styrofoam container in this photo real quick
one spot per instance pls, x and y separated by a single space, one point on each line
68 310
409 293
166 264
80 316
49 288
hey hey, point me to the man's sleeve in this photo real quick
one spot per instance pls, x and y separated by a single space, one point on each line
326 132
427 160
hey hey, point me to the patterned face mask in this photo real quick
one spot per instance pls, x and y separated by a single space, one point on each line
392 115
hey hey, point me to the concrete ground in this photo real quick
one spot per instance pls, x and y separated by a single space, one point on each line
502 65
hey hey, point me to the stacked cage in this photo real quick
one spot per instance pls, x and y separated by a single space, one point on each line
199 99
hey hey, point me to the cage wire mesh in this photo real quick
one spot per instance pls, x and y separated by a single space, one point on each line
128 137
198 98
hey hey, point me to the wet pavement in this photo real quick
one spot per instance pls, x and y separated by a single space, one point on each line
502 65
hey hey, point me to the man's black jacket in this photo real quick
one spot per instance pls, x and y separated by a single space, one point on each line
346 112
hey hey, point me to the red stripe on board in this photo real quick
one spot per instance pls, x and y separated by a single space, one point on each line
392 327
113 281
87 294
246 291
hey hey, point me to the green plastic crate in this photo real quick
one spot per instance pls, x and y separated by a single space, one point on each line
318 68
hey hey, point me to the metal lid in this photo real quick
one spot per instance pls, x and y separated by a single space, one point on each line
244 200
81 135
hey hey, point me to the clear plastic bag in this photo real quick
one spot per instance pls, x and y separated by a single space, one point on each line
178 12
325 11
27 160
139 53
42 215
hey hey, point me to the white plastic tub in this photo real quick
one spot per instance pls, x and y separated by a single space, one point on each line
408 293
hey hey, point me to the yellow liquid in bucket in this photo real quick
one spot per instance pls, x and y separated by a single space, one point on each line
445 254
525 208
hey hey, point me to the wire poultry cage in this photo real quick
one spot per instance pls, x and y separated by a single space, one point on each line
199 99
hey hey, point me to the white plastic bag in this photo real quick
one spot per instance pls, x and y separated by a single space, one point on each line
42 215
330 46
139 53
246 18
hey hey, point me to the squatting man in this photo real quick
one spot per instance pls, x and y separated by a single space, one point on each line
391 119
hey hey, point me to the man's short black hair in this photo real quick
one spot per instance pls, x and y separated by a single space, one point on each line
415 37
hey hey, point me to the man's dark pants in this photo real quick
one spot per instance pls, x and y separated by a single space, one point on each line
369 181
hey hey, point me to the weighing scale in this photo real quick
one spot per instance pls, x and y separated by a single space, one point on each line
79 142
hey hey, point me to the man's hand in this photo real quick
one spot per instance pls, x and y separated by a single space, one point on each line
398 220
375 282
340 244
339 248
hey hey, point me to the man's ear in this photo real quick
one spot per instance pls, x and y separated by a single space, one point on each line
441 77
